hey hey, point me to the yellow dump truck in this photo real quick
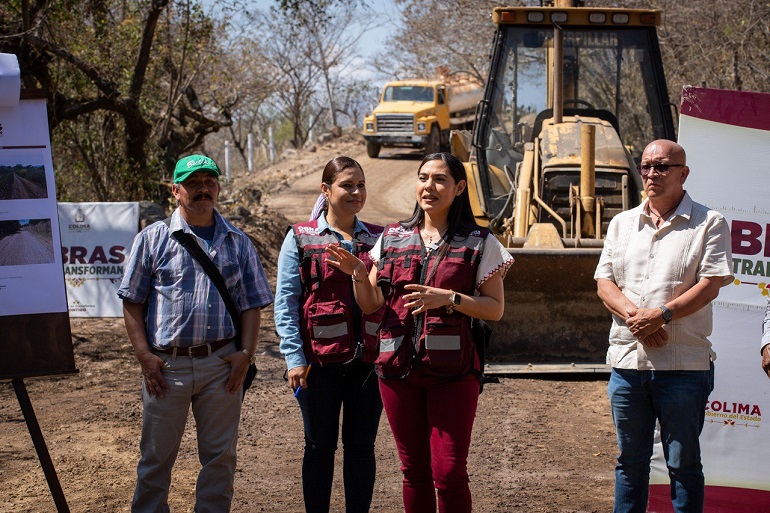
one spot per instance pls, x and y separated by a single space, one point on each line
421 113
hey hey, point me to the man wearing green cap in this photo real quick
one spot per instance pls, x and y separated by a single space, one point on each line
183 337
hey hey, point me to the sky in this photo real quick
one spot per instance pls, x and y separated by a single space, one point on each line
384 19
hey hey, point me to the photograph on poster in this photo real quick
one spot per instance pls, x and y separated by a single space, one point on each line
26 242
18 181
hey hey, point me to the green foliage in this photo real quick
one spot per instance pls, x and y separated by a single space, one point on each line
123 108
123 80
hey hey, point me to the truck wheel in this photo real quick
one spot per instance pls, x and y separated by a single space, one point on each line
372 149
434 141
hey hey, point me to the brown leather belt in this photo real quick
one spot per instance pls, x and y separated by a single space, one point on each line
196 351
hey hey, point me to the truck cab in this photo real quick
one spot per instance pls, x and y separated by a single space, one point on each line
411 114
609 69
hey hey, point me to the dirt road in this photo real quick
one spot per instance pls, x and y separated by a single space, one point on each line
25 248
26 189
539 445
389 185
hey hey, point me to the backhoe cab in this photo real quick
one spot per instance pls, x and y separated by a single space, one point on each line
573 96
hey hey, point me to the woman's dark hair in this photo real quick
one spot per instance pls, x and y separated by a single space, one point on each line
333 168
460 218
337 165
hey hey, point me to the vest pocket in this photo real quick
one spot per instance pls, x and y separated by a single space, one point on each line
370 336
393 350
329 331
446 345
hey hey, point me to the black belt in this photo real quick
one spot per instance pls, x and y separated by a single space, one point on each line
196 351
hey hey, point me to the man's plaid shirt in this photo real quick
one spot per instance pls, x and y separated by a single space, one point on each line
183 307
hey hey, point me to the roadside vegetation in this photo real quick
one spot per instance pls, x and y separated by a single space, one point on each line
134 84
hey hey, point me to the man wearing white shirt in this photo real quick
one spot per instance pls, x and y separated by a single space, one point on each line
662 264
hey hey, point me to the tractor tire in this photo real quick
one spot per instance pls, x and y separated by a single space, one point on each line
372 149
433 145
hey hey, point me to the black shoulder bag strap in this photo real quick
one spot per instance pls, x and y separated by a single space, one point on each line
192 247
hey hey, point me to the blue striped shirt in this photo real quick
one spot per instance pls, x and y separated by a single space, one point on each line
183 307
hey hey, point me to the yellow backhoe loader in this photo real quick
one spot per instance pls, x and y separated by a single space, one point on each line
573 96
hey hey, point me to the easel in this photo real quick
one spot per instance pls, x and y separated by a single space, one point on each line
36 345
51 333
40 447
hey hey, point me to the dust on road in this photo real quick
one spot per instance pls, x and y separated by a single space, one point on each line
25 248
26 189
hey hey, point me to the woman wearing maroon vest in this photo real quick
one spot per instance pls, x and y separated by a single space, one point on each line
328 343
434 272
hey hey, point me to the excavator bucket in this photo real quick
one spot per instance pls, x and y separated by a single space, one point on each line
553 316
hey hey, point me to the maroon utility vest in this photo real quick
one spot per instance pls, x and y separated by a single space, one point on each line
438 342
329 332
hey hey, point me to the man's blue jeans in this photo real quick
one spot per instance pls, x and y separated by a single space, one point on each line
677 399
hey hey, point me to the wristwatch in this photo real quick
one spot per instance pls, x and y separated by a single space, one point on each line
455 299
252 357
667 314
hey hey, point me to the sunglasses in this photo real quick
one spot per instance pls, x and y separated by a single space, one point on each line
661 169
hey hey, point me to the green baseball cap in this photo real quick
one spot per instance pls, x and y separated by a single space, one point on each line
193 163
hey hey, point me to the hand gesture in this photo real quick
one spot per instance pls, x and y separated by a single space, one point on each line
426 298
345 261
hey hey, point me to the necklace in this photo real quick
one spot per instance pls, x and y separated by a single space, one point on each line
664 214
429 243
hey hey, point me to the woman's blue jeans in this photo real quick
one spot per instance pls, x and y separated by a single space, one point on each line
677 399
354 389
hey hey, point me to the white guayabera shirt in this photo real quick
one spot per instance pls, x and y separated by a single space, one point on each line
652 266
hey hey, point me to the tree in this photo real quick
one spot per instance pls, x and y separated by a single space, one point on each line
452 33
121 82
717 44
356 99
335 43
314 56
256 80
291 52
724 45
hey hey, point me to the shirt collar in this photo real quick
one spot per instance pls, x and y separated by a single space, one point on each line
684 208
178 223
323 225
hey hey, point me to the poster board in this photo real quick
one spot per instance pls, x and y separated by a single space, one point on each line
726 135
96 241
34 320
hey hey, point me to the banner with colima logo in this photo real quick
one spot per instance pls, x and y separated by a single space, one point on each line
96 239
726 135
